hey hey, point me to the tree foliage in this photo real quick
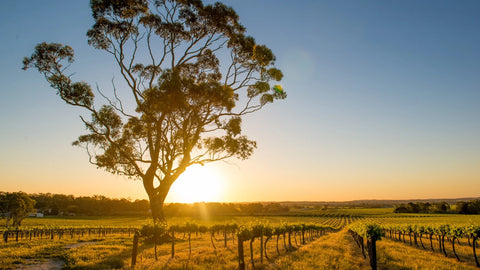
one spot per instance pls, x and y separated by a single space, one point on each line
191 73
59 204
461 207
16 206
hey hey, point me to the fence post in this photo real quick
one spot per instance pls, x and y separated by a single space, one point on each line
303 236
474 250
135 249
289 240
241 257
372 252
225 236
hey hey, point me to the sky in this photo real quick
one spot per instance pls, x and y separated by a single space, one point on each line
383 103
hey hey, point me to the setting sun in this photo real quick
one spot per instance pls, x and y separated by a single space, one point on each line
197 184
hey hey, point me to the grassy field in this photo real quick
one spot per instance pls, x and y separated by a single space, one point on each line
336 250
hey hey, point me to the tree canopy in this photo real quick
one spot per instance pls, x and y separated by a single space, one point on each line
191 73
16 206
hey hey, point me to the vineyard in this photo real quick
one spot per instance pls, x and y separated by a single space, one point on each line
61 232
269 242
461 238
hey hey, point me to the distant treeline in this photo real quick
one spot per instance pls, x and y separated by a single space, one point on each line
69 205
369 203
60 204
461 207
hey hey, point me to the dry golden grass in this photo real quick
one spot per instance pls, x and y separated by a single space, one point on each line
68 252
397 255
333 251
204 256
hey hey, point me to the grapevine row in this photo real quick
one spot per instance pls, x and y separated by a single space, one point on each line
60 232
244 233
438 232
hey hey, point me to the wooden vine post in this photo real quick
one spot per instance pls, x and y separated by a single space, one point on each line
372 252
474 251
289 239
225 236
474 233
372 232
241 257
303 234
134 250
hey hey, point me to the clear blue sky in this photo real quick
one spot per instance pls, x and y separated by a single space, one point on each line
383 102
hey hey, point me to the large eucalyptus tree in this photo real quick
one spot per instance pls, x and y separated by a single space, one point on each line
191 73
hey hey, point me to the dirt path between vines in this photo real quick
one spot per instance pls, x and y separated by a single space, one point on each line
333 251
53 264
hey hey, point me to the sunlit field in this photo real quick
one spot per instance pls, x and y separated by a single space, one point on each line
112 251
335 250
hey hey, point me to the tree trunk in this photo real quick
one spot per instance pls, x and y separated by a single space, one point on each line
453 248
251 253
278 251
443 246
431 243
265 247
289 241
421 241
211 239
156 195
440 243
474 240
156 208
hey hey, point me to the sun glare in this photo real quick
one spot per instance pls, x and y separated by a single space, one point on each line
197 184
